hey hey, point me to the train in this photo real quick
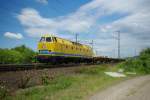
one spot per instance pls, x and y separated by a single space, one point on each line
53 49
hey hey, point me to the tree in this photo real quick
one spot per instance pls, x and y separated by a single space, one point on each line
27 53
10 56
20 54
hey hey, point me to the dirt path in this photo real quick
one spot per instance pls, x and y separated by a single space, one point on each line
134 89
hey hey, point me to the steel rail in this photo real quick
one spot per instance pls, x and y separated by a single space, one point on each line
19 67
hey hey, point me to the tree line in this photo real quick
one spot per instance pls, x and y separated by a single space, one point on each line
17 55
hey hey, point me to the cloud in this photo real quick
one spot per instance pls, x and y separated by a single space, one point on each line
136 25
85 18
11 35
36 25
42 1
133 24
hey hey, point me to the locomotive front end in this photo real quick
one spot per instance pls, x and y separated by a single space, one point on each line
45 48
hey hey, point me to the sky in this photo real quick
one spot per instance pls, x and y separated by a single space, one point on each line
24 21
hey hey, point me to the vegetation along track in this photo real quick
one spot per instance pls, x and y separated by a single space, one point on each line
14 80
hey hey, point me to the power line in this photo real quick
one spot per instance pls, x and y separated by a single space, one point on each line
91 43
135 52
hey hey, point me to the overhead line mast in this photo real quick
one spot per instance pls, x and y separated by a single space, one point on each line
76 38
118 44
92 43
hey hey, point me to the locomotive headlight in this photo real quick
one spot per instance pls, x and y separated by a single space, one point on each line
43 46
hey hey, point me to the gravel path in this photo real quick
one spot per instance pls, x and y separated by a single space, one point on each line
134 89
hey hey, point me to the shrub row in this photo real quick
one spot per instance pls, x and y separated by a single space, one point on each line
20 54
140 64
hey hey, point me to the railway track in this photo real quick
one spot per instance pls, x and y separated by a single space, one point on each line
18 67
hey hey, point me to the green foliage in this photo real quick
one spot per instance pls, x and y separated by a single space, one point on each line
28 54
93 71
75 86
56 85
10 56
140 64
59 82
62 82
45 79
20 54
3 92
23 82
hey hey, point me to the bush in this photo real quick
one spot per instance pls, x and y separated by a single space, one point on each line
17 55
45 79
27 53
3 92
10 56
24 80
140 64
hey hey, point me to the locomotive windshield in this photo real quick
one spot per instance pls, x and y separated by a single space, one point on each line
42 39
47 39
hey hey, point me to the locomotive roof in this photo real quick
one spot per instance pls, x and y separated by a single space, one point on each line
47 35
74 43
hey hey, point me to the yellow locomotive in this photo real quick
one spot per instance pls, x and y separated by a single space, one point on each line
57 50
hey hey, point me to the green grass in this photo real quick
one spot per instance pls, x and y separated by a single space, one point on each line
76 86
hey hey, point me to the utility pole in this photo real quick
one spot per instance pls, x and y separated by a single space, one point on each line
135 52
76 38
118 43
92 43
96 53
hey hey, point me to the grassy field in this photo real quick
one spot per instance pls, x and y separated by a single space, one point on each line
76 86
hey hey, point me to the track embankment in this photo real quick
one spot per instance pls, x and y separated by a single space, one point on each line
14 79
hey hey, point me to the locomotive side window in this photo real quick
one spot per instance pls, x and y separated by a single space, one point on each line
42 39
48 39
55 39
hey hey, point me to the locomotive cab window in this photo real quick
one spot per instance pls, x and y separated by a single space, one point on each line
48 39
42 39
